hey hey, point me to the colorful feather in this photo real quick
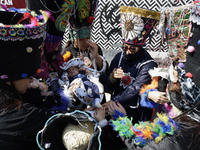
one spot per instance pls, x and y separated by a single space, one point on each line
144 131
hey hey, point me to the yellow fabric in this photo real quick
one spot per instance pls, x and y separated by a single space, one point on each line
139 11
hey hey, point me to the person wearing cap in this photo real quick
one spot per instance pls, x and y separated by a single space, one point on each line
80 45
183 116
177 128
21 41
128 70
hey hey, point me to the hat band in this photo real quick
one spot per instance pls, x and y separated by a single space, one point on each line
19 34
79 34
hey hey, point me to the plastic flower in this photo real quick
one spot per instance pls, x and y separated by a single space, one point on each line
90 19
132 25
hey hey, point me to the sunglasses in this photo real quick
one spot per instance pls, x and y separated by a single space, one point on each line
132 49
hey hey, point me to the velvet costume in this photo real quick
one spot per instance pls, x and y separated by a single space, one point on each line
88 84
18 128
129 96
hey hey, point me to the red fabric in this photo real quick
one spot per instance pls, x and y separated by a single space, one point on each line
15 3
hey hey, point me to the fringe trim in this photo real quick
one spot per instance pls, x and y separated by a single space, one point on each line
139 11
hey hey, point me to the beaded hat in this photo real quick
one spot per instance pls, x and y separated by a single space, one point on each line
137 23
21 40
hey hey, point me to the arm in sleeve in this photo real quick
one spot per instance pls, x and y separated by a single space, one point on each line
114 64
101 60
132 91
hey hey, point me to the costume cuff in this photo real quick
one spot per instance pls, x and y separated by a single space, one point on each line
97 102
112 80
145 102
103 123
104 65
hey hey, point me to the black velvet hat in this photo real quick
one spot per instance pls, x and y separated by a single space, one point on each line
57 22
21 40
70 14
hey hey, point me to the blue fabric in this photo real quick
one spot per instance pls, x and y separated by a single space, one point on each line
145 102
80 75
88 84
139 70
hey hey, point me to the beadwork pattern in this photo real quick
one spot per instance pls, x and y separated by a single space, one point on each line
14 34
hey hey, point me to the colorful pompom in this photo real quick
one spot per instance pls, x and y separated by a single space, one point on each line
181 65
46 14
24 75
4 76
198 42
39 70
66 56
191 49
189 75
145 102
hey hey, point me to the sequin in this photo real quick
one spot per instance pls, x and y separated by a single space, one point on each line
4 76
28 32
12 32
35 31
3 31
24 75
39 70
20 32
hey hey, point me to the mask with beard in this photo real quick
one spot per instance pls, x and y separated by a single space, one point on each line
133 57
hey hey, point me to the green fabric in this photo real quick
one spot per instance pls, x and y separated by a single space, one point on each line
79 33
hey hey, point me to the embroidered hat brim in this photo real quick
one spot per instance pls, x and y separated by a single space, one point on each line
21 43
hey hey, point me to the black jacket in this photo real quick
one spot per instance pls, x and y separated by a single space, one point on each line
18 128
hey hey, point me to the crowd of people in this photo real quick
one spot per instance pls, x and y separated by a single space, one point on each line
149 108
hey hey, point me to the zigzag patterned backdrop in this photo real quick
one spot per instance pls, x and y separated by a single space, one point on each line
106 31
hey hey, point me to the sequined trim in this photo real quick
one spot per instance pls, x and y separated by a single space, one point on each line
19 34
142 12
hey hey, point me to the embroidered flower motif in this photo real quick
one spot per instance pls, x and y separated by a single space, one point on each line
132 26
126 80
